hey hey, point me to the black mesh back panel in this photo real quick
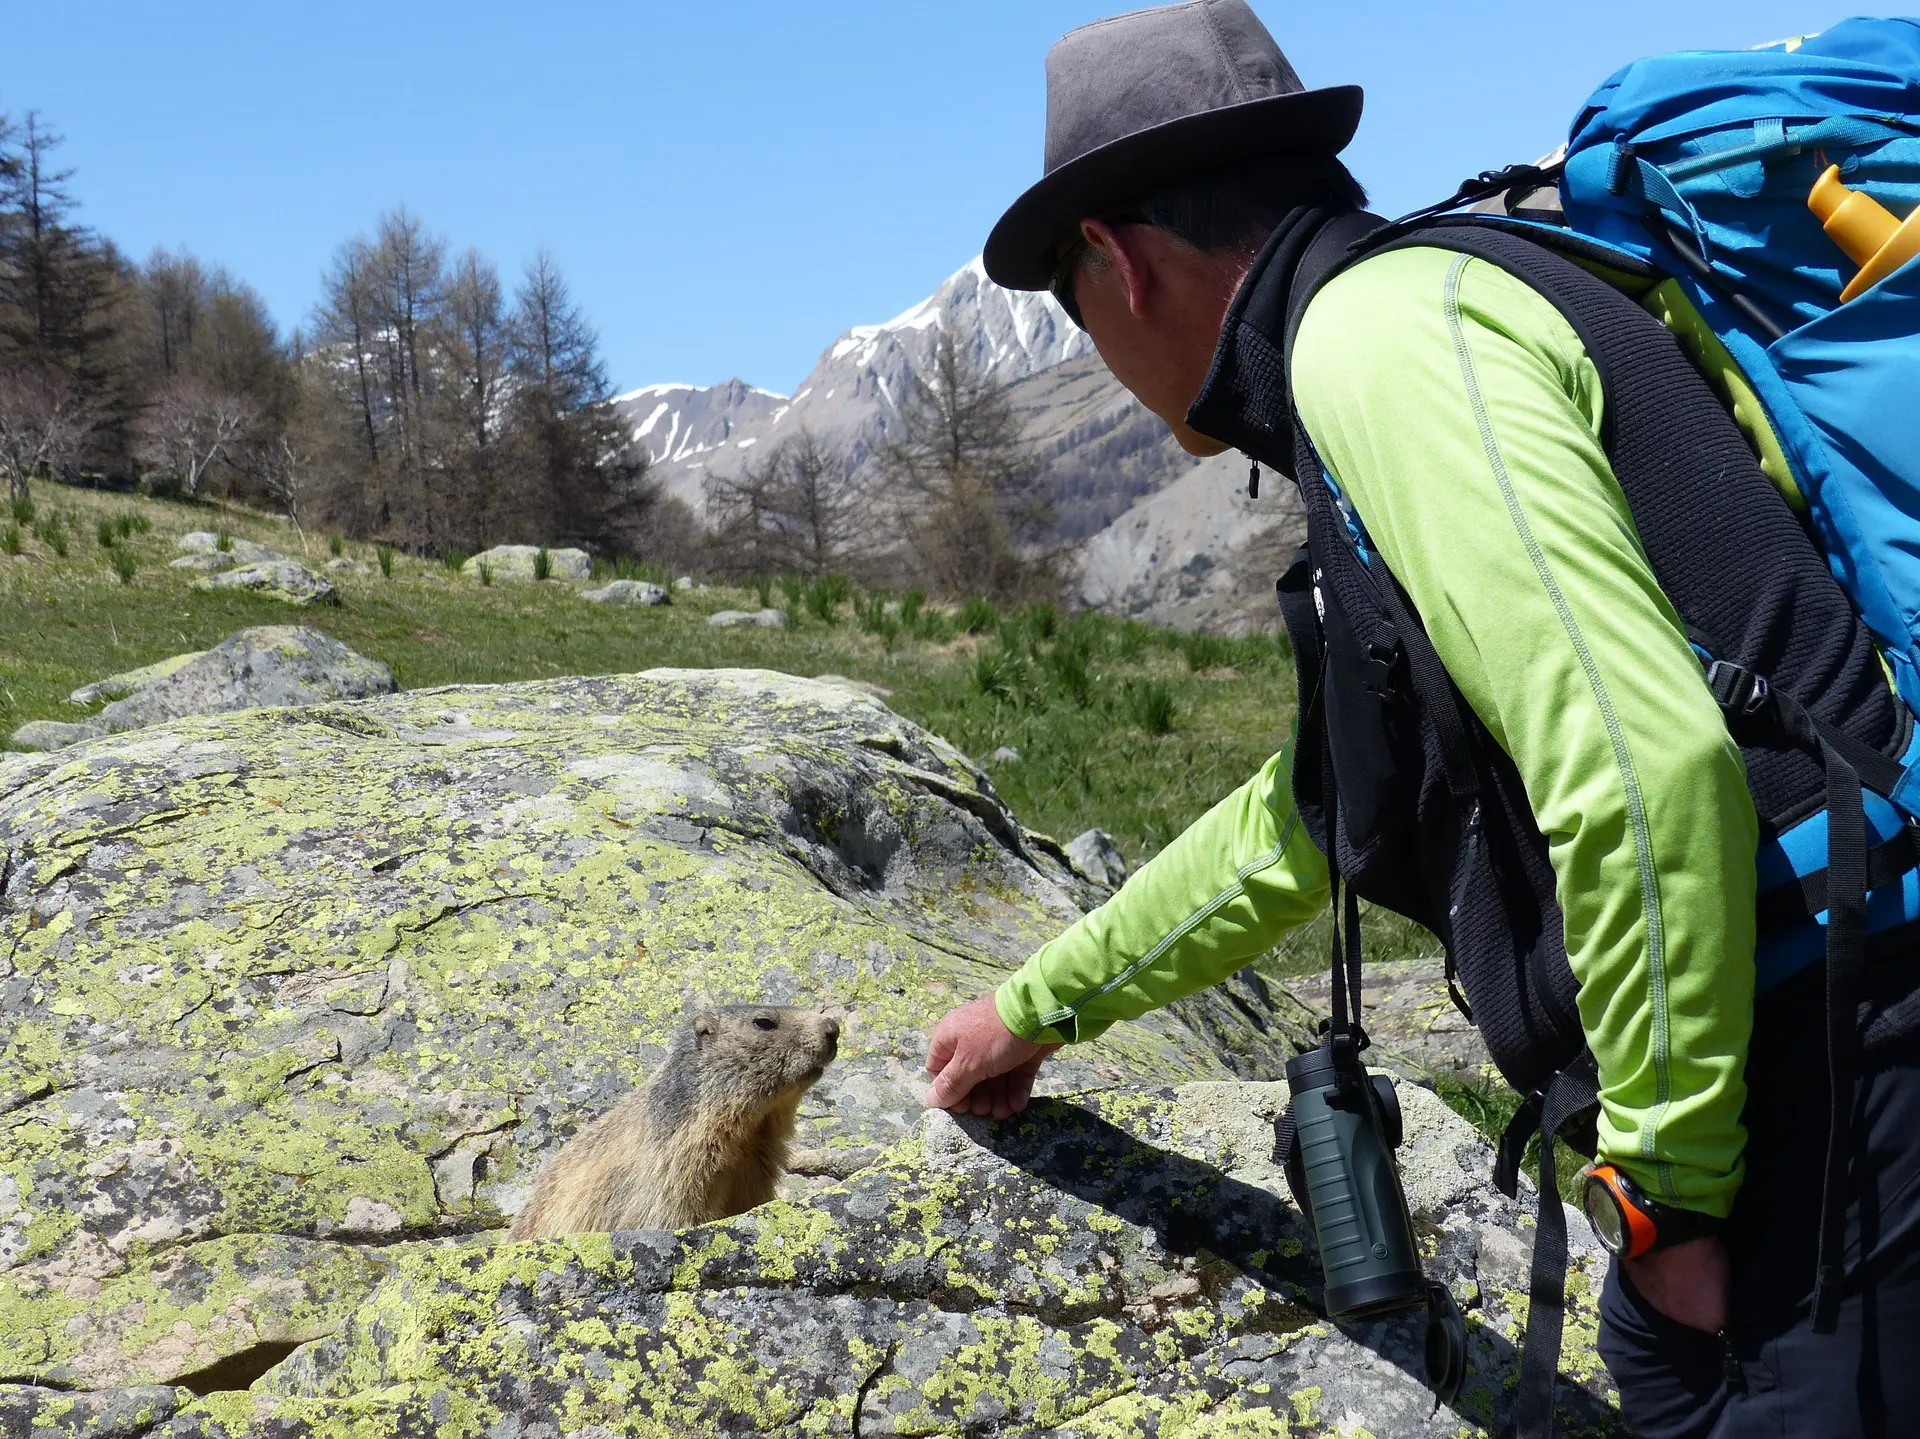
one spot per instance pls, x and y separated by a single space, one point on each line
1466 858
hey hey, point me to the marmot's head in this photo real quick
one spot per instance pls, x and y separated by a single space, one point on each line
744 1058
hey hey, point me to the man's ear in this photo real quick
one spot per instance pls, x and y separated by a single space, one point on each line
1128 260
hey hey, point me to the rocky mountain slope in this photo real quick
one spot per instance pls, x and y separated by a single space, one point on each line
1105 456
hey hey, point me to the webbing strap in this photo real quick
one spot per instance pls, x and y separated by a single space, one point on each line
1439 699
1569 1093
1771 138
1846 965
1847 881
1805 896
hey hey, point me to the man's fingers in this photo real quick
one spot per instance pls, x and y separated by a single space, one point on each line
1020 1088
950 1085
939 1050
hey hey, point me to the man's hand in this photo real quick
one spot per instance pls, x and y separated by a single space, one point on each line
1687 1283
978 1065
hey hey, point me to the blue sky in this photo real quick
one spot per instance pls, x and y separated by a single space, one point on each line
727 185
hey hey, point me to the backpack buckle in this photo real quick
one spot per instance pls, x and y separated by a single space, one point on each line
1737 689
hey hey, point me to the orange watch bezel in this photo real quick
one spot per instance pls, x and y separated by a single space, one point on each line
1642 1235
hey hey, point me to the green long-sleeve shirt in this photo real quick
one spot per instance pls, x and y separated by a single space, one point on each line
1460 416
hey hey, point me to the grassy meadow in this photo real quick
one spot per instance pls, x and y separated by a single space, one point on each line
1134 729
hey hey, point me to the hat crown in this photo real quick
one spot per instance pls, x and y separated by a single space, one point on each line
1117 77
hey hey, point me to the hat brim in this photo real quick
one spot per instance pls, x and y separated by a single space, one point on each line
1020 251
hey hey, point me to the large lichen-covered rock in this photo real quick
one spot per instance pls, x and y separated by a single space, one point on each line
286 986
1124 1263
287 581
266 665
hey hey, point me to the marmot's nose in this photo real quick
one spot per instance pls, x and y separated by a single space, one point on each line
833 1028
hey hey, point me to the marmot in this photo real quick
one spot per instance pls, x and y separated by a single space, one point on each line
705 1137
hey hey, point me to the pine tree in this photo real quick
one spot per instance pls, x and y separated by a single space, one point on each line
55 278
591 485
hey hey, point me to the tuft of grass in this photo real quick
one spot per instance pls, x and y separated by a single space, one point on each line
977 615
23 509
542 567
1071 667
763 591
104 532
224 543
336 546
825 596
913 605
453 561
55 539
1002 674
1150 705
1208 652
876 617
1133 641
125 564
10 540
1042 622
385 555
486 574
794 589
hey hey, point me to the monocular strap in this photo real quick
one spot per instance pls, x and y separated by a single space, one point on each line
1572 1091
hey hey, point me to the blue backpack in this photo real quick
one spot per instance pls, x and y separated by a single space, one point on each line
1702 163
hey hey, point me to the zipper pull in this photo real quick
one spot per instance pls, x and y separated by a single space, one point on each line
1253 479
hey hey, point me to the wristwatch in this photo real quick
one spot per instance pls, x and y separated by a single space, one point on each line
1629 1224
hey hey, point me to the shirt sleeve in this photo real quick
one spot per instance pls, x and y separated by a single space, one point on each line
1460 416
1222 894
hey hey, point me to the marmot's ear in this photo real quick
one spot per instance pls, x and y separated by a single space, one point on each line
704 1024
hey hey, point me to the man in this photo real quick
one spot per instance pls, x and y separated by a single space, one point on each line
1464 428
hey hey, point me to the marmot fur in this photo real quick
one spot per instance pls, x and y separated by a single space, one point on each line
705 1137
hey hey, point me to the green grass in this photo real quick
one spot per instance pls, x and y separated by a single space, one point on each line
1085 758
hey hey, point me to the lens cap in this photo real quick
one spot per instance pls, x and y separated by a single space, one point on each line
1446 1344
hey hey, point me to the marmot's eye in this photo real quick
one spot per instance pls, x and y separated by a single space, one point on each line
765 1021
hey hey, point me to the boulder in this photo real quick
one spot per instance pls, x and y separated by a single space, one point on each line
516 562
627 592
1006 754
211 562
204 545
44 735
267 665
766 619
1096 855
284 580
116 687
1116 1263
685 582
284 986
1409 1013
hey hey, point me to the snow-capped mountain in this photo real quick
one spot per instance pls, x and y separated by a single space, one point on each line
850 397
679 423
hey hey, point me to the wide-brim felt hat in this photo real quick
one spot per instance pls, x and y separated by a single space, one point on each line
1154 98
